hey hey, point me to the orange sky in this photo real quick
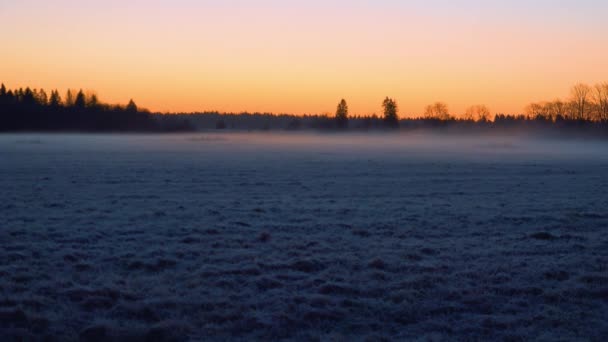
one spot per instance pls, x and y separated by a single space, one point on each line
304 56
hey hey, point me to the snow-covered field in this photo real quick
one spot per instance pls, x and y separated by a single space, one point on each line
302 236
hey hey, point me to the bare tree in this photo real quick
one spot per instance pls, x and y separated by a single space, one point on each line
533 110
571 110
580 97
438 110
557 109
469 114
545 110
477 113
600 96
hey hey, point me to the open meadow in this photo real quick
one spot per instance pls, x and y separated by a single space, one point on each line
304 236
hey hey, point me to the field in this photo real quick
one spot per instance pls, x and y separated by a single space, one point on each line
241 236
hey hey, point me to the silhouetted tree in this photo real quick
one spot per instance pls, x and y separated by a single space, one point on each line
80 102
478 113
34 110
438 110
557 108
27 97
131 107
601 100
580 95
93 101
55 99
69 98
30 109
534 110
42 97
3 103
342 115
390 113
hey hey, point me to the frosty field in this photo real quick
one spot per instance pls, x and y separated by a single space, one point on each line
252 236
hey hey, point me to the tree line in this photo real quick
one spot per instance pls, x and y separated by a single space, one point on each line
37 110
390 119
586 107
586 103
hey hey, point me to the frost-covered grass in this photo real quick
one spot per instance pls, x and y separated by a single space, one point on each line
302 236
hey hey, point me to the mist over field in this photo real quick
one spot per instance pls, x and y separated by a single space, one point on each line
404 146
223 236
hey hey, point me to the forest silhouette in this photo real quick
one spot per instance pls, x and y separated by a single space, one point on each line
586 111
36 110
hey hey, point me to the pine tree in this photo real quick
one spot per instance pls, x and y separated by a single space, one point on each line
55 100
28 97
92 101
42 97
80 101
3 95
390 113
131 107
342 115
69 98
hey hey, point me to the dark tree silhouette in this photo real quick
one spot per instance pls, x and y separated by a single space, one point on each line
477 113
131 107
601 100
28 97
580 95
33 110
92 101
55 99
80 101
42 97
342 115
69 98
391 119
437 111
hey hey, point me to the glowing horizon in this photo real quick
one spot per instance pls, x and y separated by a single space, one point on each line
303 57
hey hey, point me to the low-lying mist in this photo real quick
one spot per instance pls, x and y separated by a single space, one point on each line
402 146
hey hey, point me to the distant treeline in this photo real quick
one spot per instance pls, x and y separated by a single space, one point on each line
504 123
35 110
585 113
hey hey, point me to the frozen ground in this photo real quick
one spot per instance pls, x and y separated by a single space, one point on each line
302 236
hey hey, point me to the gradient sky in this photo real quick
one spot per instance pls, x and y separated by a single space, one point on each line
304 56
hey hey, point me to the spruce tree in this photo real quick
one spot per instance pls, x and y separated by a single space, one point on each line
131 107
80 101
342 115
391 119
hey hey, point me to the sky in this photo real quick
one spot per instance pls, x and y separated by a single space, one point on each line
304 56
